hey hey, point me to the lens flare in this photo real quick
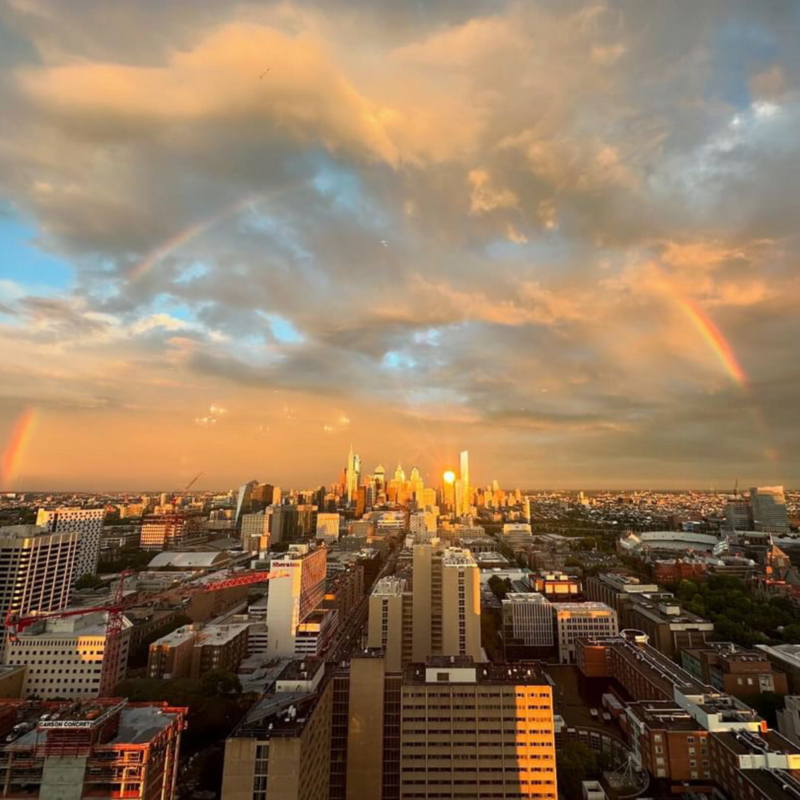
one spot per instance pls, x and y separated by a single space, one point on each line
449 476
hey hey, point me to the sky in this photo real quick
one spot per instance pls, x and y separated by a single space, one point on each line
237 237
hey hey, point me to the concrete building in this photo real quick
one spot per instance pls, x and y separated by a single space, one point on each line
282 748
191 651
12 681
64 657
669 627
768 505
613 589
293 598
786 658
528 630
389 625
168 531
735 670
557 586
88 522
486 729
446 587
315 632
36 569
255 532
97 748
328 527
579 621
789 718
517 534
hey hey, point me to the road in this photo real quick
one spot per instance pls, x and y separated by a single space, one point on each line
349 635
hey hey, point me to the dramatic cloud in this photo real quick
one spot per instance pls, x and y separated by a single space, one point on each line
561 235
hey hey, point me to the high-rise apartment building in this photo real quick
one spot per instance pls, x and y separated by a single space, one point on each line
446 608
37 569
88 522
64 657
294 597
389 626
281 750
255 532
476 730
769 509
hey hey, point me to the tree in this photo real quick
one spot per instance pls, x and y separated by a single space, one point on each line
88 581
500 586
575 763
218 682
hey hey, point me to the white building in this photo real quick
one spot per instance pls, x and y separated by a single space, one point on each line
86 521
255 532
517 534
293 597
528 618
581 621
328 527
36 569
64 657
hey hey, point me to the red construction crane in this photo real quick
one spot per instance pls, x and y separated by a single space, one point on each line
16 624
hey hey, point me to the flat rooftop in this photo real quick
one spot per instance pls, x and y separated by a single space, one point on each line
663 714
486 673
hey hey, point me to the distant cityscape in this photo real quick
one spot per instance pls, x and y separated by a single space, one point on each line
379 637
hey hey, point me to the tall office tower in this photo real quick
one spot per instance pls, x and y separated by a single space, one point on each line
294 597
379 482
261 496
446 608
306 521
352 476
283 525
737 514
361 501
389 627
65 656
500 742
463 485
37 569
86 521
328 527
528 510
255 532
244 500
277 496
769 509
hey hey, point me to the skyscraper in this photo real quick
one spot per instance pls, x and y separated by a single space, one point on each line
37 569
294 597
352 475
446 608
88 522
244 500
464 500
769 509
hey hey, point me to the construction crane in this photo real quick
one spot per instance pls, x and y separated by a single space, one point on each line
16 623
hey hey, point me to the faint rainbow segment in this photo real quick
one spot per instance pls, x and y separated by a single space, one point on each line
183 237
18 441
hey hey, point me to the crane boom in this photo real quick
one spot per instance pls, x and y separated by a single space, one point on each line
17 623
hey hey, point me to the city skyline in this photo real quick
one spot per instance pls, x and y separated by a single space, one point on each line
560 235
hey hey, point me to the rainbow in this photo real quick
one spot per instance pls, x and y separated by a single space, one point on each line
186 235
18 441
713 337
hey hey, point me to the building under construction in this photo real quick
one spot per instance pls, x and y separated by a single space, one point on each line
92 748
